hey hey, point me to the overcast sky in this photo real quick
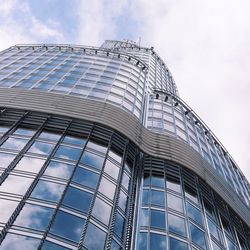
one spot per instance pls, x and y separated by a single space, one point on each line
206 45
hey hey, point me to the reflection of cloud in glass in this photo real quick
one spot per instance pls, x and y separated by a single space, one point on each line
30 164
122 201
95 238
144 217
176 224
7 207
52 246
14 143
197 236
33 216
74 140
50 135
157 241
68 153
101 211
24 131
177 245
58 169
46 190
96 146
41 148
107 188
92 160
15 184
6 159
111 169
174 202
194 213
16 242
125 181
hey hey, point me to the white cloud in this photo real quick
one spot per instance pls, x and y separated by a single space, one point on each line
206 46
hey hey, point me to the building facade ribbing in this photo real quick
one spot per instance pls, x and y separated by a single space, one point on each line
98 151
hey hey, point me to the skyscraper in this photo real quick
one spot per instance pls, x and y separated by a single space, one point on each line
98 151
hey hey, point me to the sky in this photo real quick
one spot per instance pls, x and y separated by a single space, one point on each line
206 45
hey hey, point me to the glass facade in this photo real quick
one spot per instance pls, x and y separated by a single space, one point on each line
71 183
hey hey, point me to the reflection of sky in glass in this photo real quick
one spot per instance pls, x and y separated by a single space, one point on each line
77 199
33 216
122 201
3 129
59 169
50 135
41 148
101 211
125 181
145 196
157 198
213 229
16 242
95 238
85 177
24 131
144 217
197 236
176 224
157 219
6 159
68 153
51 246
174 202
107 188
115 156
7 207
194 213
173 184
111 169
157 181
191 194
115 246
142 241
177 245
30 164
93 160
74 140
15 184
49 191
96 146
14 143
68 226
119 225
157 241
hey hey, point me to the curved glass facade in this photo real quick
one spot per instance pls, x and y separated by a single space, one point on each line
71 180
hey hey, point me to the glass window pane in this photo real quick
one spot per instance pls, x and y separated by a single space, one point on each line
123 201
3 129
111 169
51 246
68 153
157 241
213 229
16 184
77 199
16 242
46 190
198 236
101 211
42 148
177 244
95 238
7 207
191 194
107 188
59 169
30 164
25 131
14 143
85 177
145 197
142 241
173 184
119 225
74 140
49 135
157 198
68 226
96 146
146 180
115 156
174 202
157 180
33 216
115 246
157 219
6 159
194 213
144 217
92 160
125 181
176 224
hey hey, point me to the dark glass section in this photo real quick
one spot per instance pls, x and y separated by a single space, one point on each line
51 246
198 236
142 241
157 219
157 198
175 244
68 153
92 160
157 241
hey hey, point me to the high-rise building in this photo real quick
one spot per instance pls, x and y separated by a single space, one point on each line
98 151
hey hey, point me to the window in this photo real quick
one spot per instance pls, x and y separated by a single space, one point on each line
157 219
102 211
92 160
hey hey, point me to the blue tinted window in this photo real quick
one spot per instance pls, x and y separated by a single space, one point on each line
157 242
142 241
111 169
157 181
95 238
96 146
85 177
59 169
157 219
74 140
33 216
194 213
176 224
173 184
144 217
115 246
51 246
46 190
174 202
77 199
157 198
24 131
16 242
177 245
68 153
102 211
198 236
68 226
107 188
14 143
146 180
92 160
123 201
6 159
125 181
145 196
41 148
49 135
119 225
